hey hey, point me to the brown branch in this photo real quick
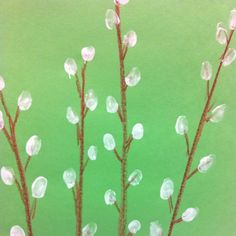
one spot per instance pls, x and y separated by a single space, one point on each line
207 88
117 155
78 84
196 140
79 186
123 206
22 186
128 143
78 135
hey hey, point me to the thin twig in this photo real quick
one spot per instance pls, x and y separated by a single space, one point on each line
27 163
195 171
16 115
196 140
6 109
85 164
117 155
117 207
187 143
119 112
19 189
33 208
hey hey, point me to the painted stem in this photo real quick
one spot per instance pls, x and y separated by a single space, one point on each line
22 186
123 110
198 134
79 185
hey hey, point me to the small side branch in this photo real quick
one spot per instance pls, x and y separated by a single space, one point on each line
8 137
6 109
187 143
178 221
85 164
16 115
170 203
27 163
125 50
33 208
117 207
117 155
128 143
208 88
119 112
195 171
19 189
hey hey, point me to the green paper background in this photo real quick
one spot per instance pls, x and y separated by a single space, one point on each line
174 37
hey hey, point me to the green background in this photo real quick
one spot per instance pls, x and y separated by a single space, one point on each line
174 37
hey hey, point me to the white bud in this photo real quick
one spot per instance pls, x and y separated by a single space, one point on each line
92 153
190 214
111 105
206 70
135 177
90 229
109 142
232 21
72 116
167 189
133 78
111 19
24 101
137 131
230 57
2 83
134 226
1 121
130 39
39 187
218 113
70 67
88 53
155 229
206 163
91 100
181 125
16 230
7 175
110 197
221 34
33 146
121 2
69 177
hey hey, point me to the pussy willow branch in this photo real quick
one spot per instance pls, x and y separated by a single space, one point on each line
22 186
123 112
197 137
78 196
